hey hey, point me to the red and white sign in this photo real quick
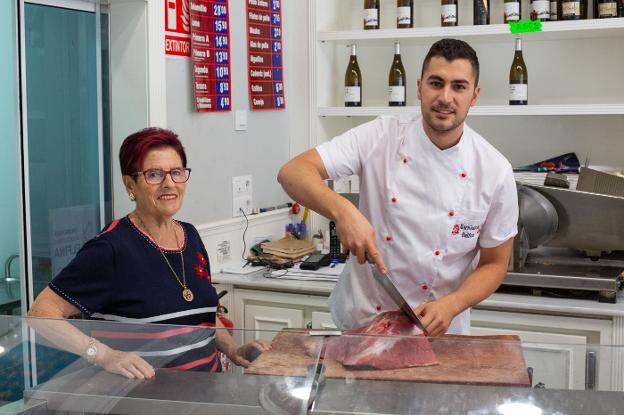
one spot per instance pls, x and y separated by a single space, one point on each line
177 28
210 54
265 70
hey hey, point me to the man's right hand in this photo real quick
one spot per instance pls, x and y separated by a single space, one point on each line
127 364
358 236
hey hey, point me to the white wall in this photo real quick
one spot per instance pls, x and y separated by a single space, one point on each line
216 152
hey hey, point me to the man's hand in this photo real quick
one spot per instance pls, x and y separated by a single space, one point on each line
358 236
127 364
247 353
436 316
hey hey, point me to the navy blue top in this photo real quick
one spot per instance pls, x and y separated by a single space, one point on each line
121 276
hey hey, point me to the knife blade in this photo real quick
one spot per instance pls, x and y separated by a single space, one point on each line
390 287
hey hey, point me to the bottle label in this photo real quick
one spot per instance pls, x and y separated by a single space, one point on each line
352 94
371 17
518 92
404 15
512 12
449 13
607 9
553 10
540 9
396 94
571 8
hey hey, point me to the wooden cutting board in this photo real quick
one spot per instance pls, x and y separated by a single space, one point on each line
475 360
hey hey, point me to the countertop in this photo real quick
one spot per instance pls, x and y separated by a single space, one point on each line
499 301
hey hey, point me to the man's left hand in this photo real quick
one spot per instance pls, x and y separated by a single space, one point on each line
436 316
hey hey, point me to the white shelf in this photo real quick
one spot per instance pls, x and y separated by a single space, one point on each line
550 31
483 110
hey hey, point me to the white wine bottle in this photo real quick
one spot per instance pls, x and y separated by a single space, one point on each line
397 80
607 9
480 12
405 14
570 9
371 14
512 11
448 16
518 78
540 10
353 81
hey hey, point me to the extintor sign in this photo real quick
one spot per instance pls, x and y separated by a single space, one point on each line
177 28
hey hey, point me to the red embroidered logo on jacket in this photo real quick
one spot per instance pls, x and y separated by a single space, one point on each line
455 230
200 268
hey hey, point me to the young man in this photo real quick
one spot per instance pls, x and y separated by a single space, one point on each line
438 204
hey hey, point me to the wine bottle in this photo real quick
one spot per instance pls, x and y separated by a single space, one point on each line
554 10
371 14
570 9
449 13
621 8
518 78
397 80
512 11
353 81
405 14
481 12
540 10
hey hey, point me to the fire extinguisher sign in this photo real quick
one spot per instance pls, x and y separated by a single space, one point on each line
177 28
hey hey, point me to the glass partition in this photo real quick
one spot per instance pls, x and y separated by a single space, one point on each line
303 371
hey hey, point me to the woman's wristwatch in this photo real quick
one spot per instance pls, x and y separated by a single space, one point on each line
91 350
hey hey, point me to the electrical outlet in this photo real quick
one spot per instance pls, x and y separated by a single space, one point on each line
244 203
241 195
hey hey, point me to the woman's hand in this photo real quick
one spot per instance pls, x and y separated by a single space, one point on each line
127 364
247 353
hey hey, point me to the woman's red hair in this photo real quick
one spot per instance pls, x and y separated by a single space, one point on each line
136 146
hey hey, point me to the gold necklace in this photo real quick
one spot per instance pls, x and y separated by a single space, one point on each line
187 294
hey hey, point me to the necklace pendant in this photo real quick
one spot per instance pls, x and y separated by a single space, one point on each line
187 295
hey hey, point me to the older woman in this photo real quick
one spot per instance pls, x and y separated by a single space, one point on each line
145 268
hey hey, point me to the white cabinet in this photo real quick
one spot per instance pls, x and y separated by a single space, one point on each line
272 311
560 350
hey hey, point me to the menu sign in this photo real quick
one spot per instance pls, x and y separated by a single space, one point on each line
210 54
264 54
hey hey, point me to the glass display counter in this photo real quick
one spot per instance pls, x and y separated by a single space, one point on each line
304 371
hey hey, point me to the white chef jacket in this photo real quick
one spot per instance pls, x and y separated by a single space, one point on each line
431 210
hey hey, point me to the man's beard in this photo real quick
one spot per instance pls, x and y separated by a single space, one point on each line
434 124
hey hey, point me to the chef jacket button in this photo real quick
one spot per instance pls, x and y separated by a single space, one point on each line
388 238
437 252
463 175
405 161
378 307
394 200
451 213
424 287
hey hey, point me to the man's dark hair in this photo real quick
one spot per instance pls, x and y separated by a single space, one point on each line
452 49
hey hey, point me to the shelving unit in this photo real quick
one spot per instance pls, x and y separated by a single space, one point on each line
576 88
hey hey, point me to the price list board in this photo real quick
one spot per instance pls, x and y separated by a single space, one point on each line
264 55
210 54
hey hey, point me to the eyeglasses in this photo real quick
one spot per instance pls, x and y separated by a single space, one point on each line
157 176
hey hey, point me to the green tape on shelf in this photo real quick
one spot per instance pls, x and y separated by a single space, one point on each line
525 26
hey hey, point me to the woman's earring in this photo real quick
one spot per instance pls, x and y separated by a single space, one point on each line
132 197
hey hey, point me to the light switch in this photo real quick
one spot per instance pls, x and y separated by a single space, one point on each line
240 120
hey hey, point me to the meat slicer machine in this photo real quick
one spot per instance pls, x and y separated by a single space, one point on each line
570 243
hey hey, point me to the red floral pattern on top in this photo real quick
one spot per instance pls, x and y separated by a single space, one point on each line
200 268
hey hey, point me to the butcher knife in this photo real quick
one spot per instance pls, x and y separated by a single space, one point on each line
389 286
